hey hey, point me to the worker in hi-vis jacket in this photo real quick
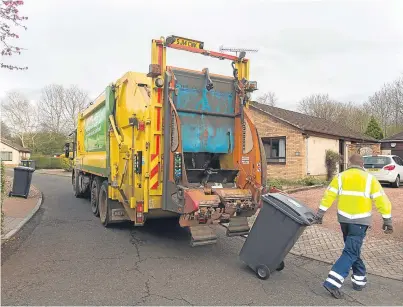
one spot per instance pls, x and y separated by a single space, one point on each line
354 189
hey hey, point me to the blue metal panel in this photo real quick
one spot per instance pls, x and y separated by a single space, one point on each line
205 132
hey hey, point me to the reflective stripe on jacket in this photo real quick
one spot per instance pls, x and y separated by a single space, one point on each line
355 189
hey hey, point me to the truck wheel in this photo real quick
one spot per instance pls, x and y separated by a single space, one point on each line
104 204
396 184
76 185
263 272
95 187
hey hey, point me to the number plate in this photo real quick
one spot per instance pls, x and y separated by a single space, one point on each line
373 169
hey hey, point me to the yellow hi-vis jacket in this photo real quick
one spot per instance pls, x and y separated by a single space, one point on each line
355 189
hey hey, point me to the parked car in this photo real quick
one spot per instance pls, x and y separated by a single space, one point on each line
385 168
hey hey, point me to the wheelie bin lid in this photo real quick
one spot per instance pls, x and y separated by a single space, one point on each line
24 168
291 207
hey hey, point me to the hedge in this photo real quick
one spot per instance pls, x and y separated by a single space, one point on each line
47 162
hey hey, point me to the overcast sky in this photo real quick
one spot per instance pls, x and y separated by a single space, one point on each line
345 48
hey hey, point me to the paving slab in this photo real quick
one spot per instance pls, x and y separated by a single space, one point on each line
383 257
18 210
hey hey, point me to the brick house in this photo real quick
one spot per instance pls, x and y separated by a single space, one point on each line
296 143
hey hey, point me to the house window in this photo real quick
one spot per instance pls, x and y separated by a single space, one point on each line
275 149
6 156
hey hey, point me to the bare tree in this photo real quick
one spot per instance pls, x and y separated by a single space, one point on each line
395 96
322 106
21 115
10 17
76 100
268 98
51 108
379 105
5 130
59 107
356 117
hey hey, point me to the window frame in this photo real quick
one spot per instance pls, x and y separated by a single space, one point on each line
268 141
6 152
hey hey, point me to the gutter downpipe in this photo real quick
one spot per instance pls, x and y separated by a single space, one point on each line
307 152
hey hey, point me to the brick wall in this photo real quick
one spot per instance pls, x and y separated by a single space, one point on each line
364 149
295 166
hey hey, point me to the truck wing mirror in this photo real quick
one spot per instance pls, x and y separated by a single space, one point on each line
67 150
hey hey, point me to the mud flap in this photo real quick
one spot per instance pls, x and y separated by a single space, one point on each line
202 235
238 226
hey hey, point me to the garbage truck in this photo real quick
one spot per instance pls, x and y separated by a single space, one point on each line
172 142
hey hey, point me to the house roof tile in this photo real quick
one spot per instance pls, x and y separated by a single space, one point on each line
15 146
396 137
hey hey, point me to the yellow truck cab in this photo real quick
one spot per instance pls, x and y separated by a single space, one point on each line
172 142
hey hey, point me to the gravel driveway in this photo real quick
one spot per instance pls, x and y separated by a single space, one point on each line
312 198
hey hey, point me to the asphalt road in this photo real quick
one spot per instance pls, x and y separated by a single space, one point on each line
64 256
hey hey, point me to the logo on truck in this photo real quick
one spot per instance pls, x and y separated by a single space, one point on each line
95 131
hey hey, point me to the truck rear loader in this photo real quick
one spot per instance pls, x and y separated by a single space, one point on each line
172 143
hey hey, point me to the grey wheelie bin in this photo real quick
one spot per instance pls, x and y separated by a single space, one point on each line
22 181
280 223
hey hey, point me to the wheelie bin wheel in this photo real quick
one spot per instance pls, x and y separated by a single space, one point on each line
280 266
263 272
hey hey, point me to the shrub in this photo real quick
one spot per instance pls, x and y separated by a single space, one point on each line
310 181
332 161
66 163
282 183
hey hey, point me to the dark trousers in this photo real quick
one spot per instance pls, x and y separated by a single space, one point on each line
353 236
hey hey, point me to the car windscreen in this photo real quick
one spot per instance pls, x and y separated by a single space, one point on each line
376 162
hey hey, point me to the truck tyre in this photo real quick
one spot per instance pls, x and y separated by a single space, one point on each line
95 188
75 182
396 184
104 204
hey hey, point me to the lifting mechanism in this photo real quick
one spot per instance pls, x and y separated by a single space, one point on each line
207 193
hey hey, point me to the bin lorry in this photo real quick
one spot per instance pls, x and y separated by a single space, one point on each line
172 142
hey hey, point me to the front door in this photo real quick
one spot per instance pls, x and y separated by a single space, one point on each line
341 153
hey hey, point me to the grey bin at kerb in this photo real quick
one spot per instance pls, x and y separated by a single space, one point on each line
280 223
22 181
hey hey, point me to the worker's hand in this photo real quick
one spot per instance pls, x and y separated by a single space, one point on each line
319 217
318 220
387 226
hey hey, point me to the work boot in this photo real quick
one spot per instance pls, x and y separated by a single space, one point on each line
358 287
336 293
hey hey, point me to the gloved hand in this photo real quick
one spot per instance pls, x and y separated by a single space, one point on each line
318 220
387 226
319 217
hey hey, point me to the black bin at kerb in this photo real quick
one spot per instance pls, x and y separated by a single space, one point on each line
22 181
280 223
